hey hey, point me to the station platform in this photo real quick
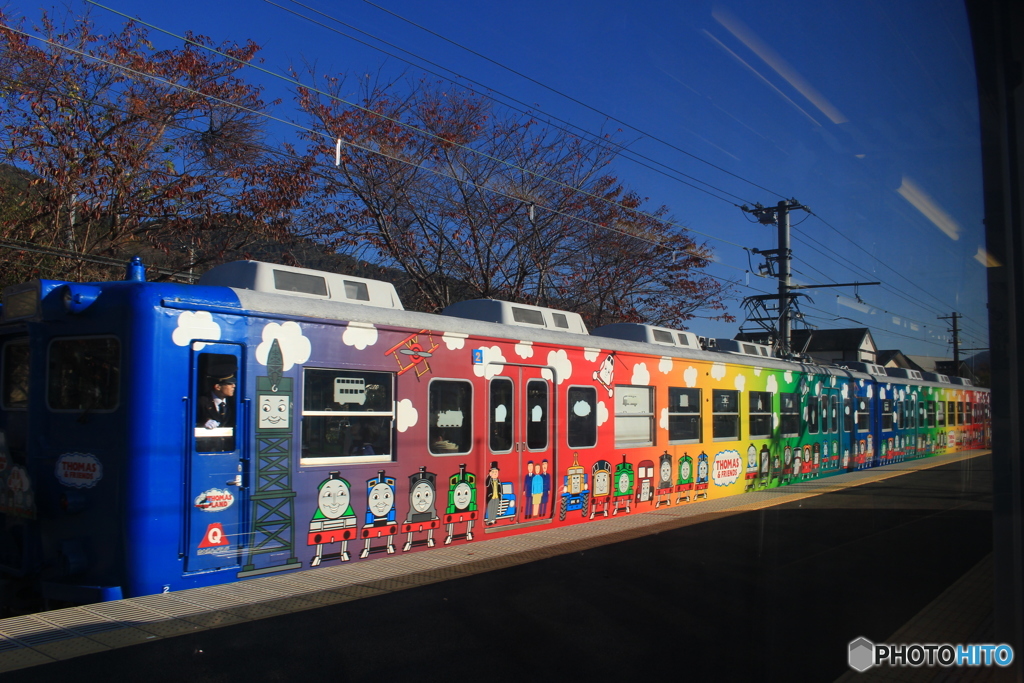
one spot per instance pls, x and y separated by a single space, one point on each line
287 625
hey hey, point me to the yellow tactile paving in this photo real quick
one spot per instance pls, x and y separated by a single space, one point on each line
37 639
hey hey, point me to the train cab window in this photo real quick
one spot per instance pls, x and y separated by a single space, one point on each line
684 423
930 412
84 374
887 413
848 416
347 416
725 414
760 414
789 408
940 413
216 404
15 375
582 419
813 416
450 426
537 410
863 415
501 410
634 416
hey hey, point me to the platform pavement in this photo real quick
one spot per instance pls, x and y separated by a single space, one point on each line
91 632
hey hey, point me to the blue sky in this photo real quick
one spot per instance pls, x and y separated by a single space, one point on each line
865 112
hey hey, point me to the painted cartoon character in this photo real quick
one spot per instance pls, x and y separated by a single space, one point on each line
461 504
700 485
575 489
422 513
663 491
623 484
501 497
606 373
798 462
380 514
772 473
601 476
752 469
787 464
816 455
645 481
684 482
334 521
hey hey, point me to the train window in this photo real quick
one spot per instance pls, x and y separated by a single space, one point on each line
84 374
287 281
940 413
663 336
560 320
968 413
725 414
833 414
863 415
789 405
357 291
898 415
450 427
216 403
527 315
848 415
951 413
501 415
634 416
812 415
15 375
887 412
930 411
922 414
537 414
683 341
582 420
684 421
760 414
959 412
347 416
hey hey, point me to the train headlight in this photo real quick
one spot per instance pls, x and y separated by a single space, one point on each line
77 298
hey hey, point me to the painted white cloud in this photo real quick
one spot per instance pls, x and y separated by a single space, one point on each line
641 375
690 376
454 340
524 349
718 371
846 391
359 335
406 415
195 325
871 391
591 354
741 381
788 376
903 396
772 385
295 347
881 392
663 420
665 365
757 371
488 369
581 408
559 360
602 413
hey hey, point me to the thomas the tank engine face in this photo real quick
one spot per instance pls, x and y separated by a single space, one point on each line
602 483
381 500
751 457
702 471
623 484
685 470
461 496
665 473
334 498
421 497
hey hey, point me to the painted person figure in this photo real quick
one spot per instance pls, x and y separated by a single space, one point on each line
216 414
528 484
493 487
545 493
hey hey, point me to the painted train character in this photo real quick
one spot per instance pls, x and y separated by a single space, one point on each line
663 492
380 514
684 483
765 471
645 481
334 521
700 485
787 464
461 504
752 469
623 483
575 491
422 512
600 495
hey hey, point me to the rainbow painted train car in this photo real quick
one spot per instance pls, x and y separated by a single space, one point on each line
158 436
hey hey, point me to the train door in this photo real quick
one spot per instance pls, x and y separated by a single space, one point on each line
214 535
521 423
832 429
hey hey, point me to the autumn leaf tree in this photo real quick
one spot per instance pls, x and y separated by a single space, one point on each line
130 149
473 202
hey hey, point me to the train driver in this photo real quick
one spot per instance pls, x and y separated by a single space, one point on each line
217 412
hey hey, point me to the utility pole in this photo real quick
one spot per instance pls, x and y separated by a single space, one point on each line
956 338
782 325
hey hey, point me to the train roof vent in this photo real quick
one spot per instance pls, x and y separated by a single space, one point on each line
521 315
314 284
935 377
904 372
963 381
649 334
869 368
743 347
